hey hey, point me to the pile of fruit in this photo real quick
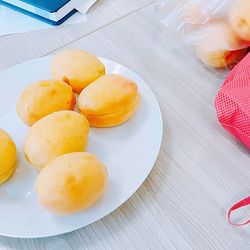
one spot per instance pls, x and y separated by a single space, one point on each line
227 39
70 180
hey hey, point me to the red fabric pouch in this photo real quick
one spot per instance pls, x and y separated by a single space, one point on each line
233 102
233 110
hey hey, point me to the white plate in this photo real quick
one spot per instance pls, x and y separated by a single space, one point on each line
129 151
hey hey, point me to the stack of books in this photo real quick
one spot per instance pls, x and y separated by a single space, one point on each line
54 12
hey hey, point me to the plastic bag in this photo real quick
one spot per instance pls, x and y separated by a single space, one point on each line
214 27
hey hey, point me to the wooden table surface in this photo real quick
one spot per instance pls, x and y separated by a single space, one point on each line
201 170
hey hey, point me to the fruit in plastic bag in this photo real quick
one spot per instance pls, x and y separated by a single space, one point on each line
219 58
220 46
240 18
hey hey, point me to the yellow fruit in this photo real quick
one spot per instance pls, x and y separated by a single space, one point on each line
240 18
220 46
219 58
43 98
71 183
109 101
7 156
56 134
77 68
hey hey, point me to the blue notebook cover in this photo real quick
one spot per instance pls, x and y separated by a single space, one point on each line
47 5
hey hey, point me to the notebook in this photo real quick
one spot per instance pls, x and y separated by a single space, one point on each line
54 12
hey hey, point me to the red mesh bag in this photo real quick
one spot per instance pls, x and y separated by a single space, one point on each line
233 110
233 102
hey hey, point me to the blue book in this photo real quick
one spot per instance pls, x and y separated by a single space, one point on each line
54 12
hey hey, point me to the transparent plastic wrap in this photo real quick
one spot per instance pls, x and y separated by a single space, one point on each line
219 30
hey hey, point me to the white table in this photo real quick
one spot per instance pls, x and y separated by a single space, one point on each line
201 170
